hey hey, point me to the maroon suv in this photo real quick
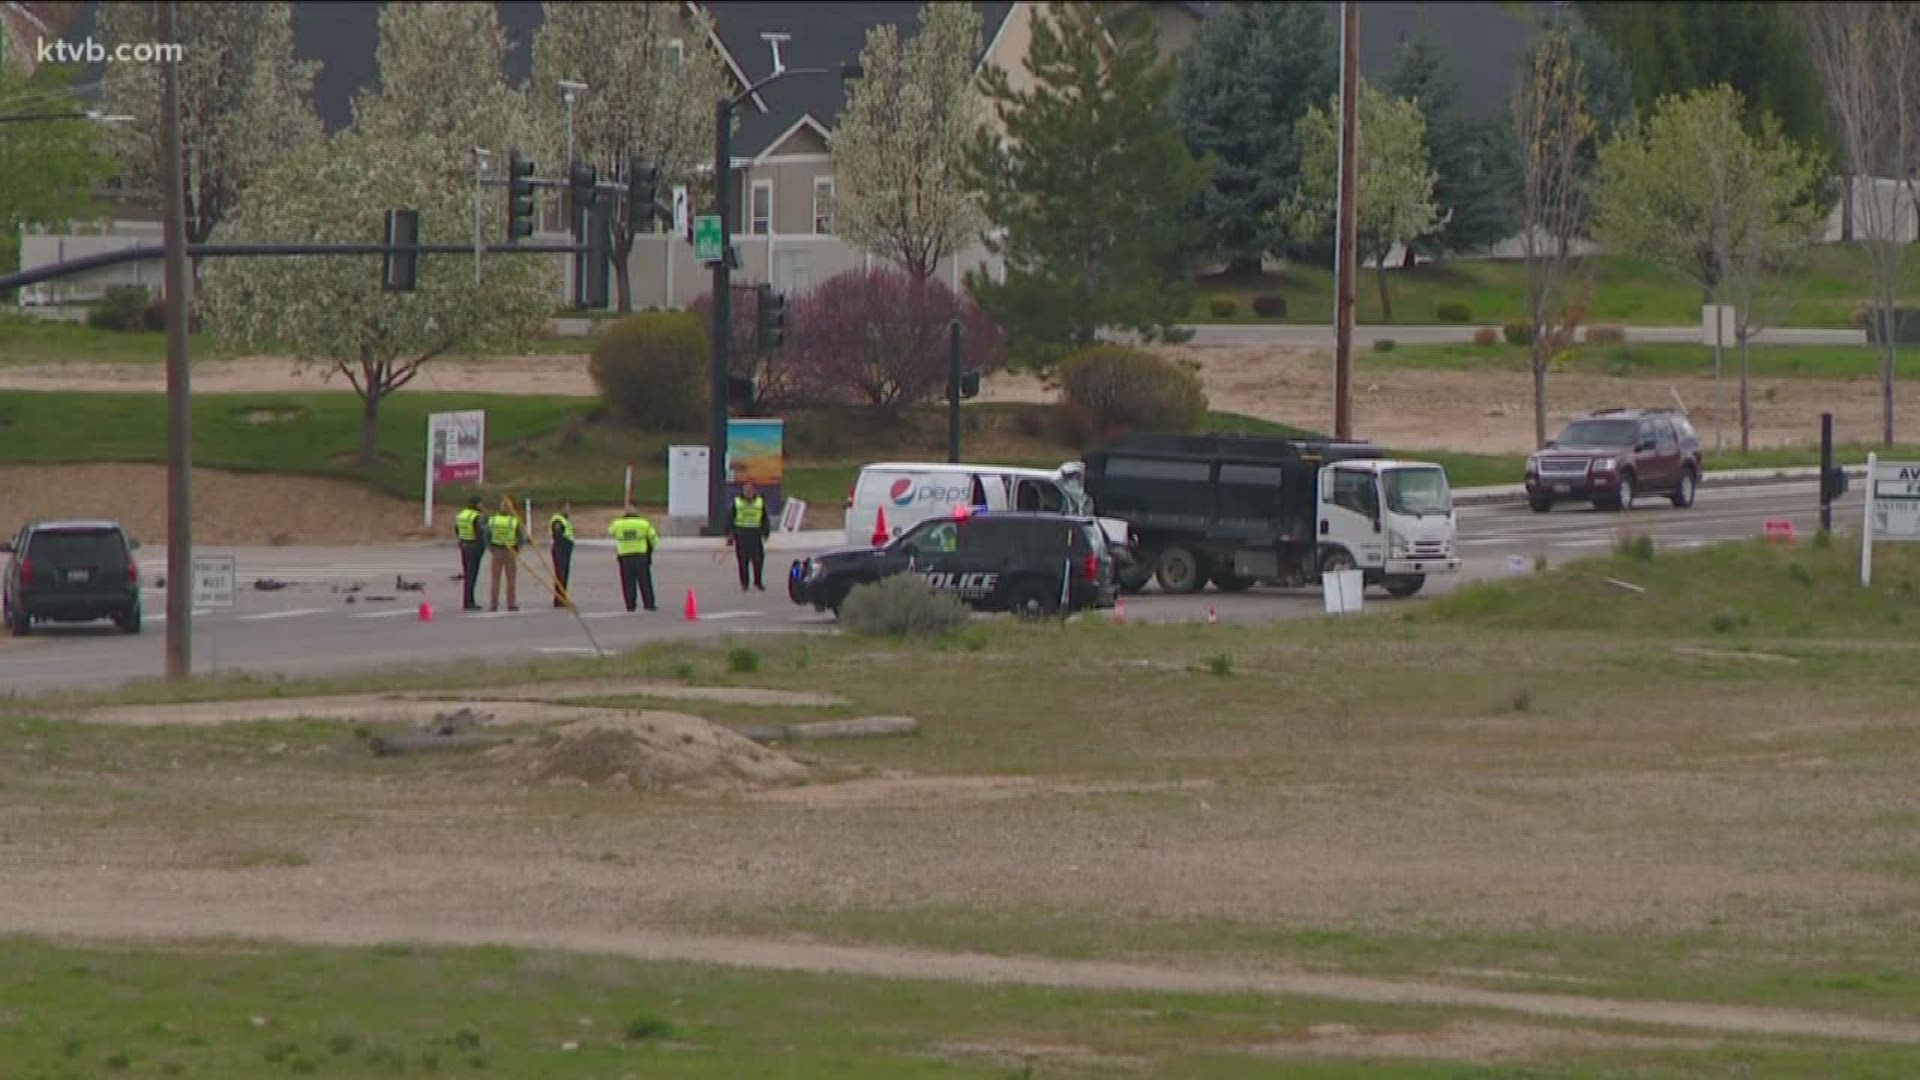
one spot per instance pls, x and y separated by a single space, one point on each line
1612 457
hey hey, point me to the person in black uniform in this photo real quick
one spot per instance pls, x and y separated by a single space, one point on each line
469 527
748 530
561 526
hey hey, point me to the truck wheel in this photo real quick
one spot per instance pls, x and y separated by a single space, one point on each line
1335 559
1134 578
1032 600
1683 493
1228 581
129 620
1181 571
1540 506
19 622
1404 585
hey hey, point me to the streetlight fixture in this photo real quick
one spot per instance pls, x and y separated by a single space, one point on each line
481 155
717 370
569 90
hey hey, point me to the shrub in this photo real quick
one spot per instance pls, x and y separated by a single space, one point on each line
121 309
1453 311
1270 306
1518 333
878 338
1486 335
901 606
743 661
1110 389
1223 307
1605 335
154 316
1385 344
652 369
1637 547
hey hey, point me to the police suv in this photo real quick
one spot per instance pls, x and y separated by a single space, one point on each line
1030 564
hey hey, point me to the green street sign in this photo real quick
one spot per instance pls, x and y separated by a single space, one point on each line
706 237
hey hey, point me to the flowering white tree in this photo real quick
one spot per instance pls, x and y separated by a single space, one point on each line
900 150
652 80
244 101
411 147
1396 183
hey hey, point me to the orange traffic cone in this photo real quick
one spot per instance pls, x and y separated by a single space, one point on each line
1119 609
880 527
691 612
1212 615
426 611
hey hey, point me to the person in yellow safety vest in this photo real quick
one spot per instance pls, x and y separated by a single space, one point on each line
467 525
504 534
634 542
748 529
561 527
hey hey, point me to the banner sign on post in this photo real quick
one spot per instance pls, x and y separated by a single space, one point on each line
793 516
1892 507
756 452
456 451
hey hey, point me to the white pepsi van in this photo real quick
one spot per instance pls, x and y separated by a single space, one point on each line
912 492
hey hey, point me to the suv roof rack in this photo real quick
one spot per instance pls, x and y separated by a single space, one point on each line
1625 410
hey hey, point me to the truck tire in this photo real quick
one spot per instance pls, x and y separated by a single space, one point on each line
19 622
1181 570
1334 559
1404 585
1228 581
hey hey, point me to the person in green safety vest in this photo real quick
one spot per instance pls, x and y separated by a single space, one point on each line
469 529
505 531
561 528
747 532
634 542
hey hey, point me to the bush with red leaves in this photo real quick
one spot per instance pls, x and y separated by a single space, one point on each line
878 338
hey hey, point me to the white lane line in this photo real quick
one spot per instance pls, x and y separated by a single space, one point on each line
570 650
715 616
268 616
393 614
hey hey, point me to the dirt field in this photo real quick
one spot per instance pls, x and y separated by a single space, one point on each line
1475 412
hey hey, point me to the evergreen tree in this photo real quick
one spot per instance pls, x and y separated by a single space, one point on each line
1473 158
1252 73
1089 183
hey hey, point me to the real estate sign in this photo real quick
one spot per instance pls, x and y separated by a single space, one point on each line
1892 507
456 451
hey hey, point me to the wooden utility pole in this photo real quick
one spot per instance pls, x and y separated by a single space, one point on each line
179 415
1346 247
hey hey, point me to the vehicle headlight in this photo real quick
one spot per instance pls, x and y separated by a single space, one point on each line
1604 464
1397 546
1533 462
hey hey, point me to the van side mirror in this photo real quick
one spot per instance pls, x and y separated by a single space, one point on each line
1643 445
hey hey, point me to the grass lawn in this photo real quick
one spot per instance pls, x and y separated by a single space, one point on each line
1824 292
25 340
1630 360
554 447
261 1011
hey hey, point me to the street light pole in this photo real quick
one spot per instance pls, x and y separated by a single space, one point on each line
480 156
179 389
1346 243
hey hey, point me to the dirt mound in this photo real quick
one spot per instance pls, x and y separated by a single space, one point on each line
647 751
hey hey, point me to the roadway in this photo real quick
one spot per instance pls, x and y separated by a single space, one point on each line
339 610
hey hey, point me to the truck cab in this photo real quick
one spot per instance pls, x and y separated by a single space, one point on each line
1239 510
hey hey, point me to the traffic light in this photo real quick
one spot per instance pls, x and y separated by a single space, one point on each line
739 391
970 383
643 180
1833 484
399 269
591 267
581 179
519 197
771 321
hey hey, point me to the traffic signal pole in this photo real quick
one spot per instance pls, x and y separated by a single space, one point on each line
722 321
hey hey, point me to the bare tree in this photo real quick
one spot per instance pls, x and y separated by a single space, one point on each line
1865 55
1552 130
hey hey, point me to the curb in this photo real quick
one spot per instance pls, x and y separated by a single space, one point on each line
1516 494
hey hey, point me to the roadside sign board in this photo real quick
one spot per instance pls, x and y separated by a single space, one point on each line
706 237
213 581
457 446
682 220
1892 507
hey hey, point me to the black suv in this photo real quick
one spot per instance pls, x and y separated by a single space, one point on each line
1030 564
71 571
1614 456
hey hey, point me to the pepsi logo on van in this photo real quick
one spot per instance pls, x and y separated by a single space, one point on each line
902 492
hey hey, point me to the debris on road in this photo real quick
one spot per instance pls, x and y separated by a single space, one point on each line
401 584
268 585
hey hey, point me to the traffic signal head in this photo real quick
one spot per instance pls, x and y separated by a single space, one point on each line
581 179
643 181
970 383
771 323
1833 484
739 391
519 197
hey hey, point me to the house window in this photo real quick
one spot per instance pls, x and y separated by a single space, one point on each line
823 206
676 54
761 210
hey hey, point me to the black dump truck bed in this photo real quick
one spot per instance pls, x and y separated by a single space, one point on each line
1225 487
